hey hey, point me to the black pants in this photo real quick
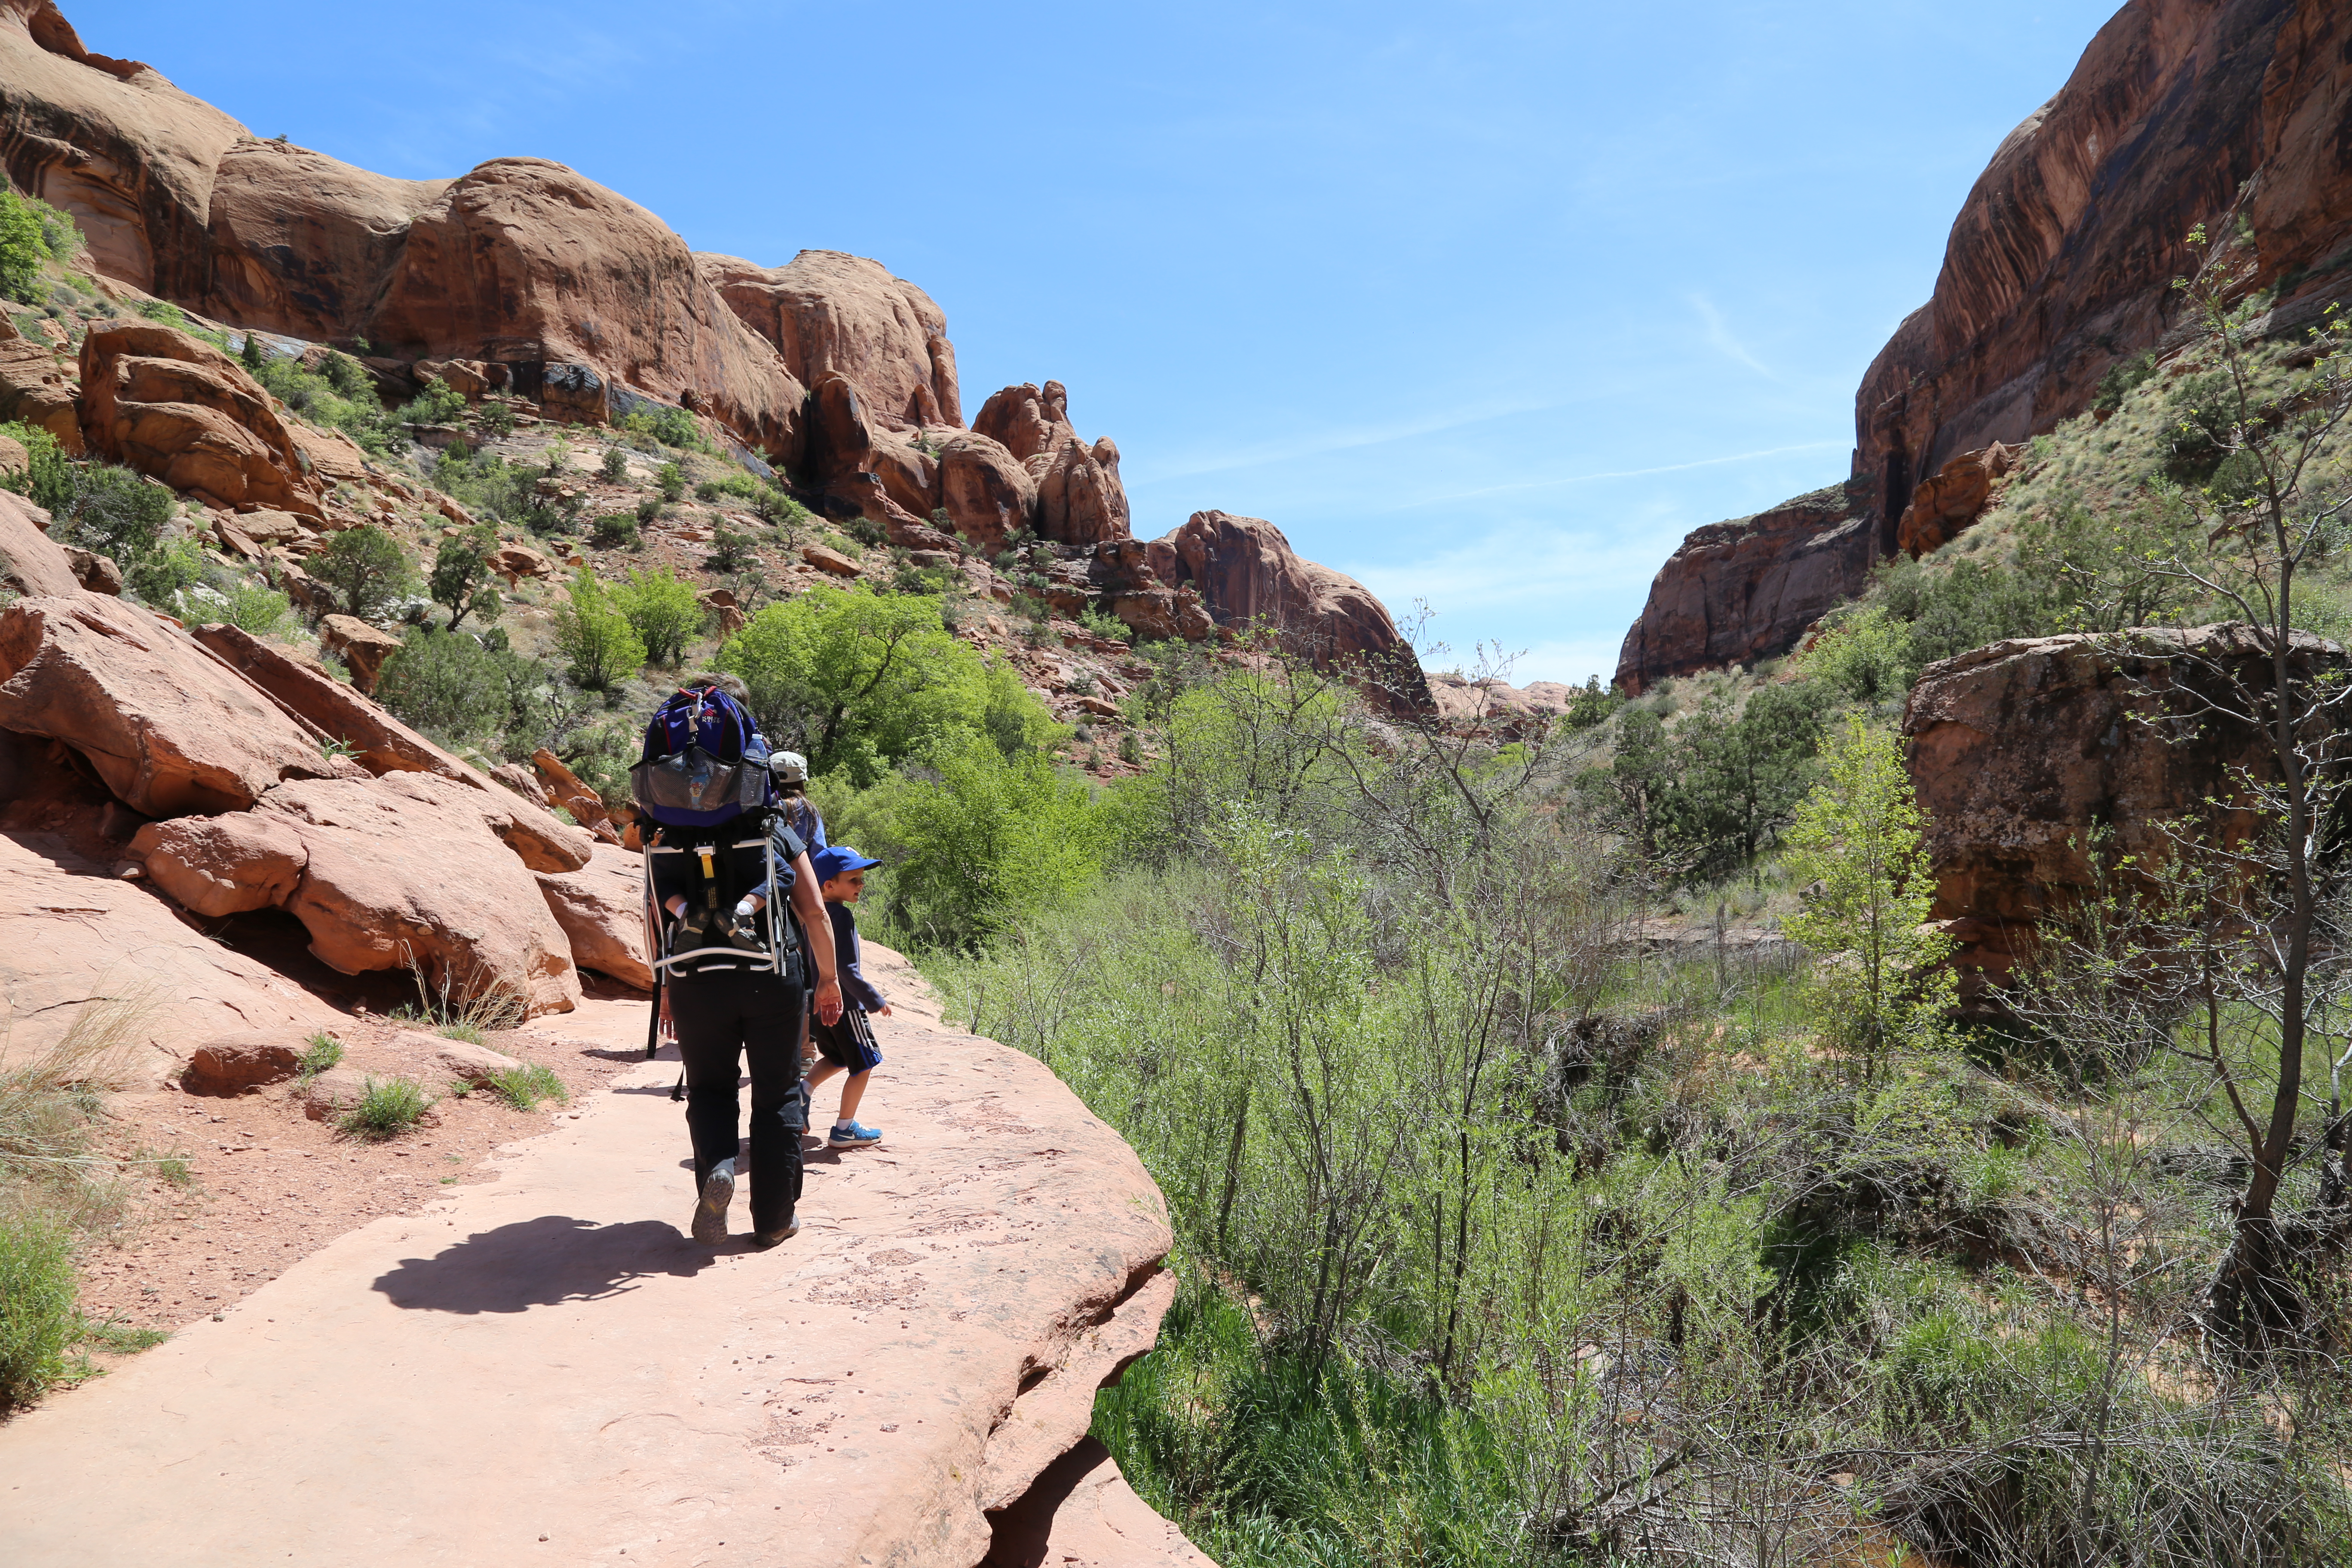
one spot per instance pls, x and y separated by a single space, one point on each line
722 1017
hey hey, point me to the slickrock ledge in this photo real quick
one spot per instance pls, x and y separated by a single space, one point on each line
544 1368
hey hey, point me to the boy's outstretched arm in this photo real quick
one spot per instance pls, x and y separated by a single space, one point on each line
810 907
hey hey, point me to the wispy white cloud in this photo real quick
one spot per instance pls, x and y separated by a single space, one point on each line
1620 474
1719 338
1349 439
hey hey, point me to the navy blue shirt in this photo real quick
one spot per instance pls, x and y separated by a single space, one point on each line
856 991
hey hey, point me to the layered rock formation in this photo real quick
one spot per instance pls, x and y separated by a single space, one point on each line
1738 592
1945 504
522 277
2059 264
2023 749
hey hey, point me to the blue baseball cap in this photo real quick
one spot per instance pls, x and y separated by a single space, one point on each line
832 862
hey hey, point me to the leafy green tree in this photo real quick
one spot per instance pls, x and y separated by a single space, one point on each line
855 679
461 690
22 248
368 568
595 638
1882 982
664 610
252 354
671 480
160 576
993 839
438 404
463 579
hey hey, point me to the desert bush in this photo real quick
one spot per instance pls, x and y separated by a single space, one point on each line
595 637
526 1086
385 1109
462 691
463 581
616 530
670 479
368 568
23 249
663 609
37 1289
257 609
615 466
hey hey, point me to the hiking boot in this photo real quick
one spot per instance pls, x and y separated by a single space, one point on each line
710 1213
852 1135
785 1231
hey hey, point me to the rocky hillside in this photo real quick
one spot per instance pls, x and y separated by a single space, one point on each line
2236 114
521 280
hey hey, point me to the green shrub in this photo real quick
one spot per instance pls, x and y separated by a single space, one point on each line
616 529
38 1288
462 691
595 637
615 467
732 549
649 512
324 1051
253 608
23 249
118 1338
663 609
368 568
438 404
738 487
385 1109
524 1087
106 508
677 428
671 481
162 574
463 581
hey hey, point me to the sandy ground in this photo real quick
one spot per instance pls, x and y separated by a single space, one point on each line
534 1363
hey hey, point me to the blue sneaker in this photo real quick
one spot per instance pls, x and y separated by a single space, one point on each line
851 1135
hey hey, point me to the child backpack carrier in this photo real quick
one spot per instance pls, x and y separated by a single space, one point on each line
703 786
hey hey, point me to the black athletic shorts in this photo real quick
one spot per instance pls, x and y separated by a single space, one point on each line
847 1044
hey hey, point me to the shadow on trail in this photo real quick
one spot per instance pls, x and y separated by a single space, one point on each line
541 1262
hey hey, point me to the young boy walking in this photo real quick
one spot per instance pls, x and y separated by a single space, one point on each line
848 1045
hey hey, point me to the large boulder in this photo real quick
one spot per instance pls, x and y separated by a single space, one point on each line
360 646
2021 750
1738 592
986 490
384 874
1943 505
39 387
31 562
158 400
601 908
169 728
1247 574
80 946
1080 499
831 313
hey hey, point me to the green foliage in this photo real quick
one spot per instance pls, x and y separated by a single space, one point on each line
339 394
103 507
461 690
616 531
367 568
23 249
615 467
732 549
257 609
736 487
859 682
463 580
37 1320
1858 838
595 637
251 353
2122 379
991 840
164 573
1713 793
526 1086
385 1109
670 426
438 404
663 609
324 1051
670 479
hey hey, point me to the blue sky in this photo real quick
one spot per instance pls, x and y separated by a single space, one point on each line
1485 304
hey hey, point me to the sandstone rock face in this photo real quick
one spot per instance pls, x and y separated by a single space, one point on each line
565 789
985 489
1080 499
601 908
360 646
2019 749
162 403
1245 572
166 726
2060 260
381 873
381 743
39 388
31 562
225 865
831 313
1943 505
1737 591
1495 701
832 561
131 156
74 938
